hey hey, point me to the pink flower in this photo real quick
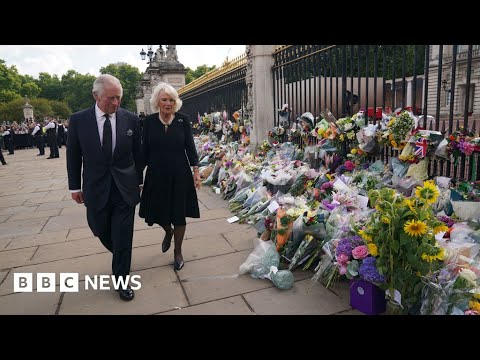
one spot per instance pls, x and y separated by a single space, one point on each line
360 252
471 312
349 165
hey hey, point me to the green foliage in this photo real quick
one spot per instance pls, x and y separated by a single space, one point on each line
8 95
41 108
30 90
51 86
195 74
60 109
10 82
129 76
78 90
13 110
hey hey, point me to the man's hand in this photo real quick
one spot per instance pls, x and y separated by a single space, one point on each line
78 197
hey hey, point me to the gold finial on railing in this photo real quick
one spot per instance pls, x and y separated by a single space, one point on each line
227 66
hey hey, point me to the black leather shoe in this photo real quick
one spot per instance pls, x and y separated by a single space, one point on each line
178 265
126 294
167 241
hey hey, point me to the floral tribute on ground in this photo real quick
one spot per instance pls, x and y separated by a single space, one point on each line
332 209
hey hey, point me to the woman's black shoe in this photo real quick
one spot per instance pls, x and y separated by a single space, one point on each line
178 265
167 241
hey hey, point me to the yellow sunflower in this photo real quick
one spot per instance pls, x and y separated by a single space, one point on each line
415 228
474 305
439 256
372 249
439 228
411 204
428 192
365 236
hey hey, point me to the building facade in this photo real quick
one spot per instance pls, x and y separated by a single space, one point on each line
162 67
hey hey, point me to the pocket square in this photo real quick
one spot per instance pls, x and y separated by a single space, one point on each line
180 120
129 132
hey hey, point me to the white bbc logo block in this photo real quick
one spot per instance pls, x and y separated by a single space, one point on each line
69 282
22 282
45 282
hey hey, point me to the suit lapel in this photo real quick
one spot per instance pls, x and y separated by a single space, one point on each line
119 130
93 129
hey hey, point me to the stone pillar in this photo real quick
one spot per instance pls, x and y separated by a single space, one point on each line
27 110
262 89
409 99
140 105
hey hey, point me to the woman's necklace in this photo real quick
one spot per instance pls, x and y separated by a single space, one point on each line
166 124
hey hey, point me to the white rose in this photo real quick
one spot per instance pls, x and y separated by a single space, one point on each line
469 276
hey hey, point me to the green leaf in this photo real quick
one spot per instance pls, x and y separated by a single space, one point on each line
404 239
352 268
395 245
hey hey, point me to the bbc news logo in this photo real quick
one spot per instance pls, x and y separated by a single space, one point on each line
69 282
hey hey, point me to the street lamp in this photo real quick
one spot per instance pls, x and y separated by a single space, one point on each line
445 85
149 53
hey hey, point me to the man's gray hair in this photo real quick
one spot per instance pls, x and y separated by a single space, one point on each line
102 81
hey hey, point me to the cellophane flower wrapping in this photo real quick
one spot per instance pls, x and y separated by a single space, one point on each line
262 263
439 286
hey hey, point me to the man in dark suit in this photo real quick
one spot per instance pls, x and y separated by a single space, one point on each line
105 139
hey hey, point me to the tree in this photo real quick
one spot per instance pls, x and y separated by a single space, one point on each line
129 77
77 90
41 108
13 110
10 82
195 74
30 90
60 109
51 86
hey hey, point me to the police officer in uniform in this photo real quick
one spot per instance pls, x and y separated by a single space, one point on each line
51 128
38 135
8 139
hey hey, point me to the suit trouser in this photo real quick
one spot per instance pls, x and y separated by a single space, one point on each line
113 225
52 144
41 145
2 159
10 147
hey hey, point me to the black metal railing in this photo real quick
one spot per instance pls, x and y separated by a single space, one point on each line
221 89
427 79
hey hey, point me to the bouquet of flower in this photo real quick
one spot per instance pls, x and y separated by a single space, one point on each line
462 142
403 231
398 128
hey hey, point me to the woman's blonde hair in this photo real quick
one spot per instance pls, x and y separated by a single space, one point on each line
170 90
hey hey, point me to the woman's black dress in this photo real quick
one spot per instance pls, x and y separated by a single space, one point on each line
169 193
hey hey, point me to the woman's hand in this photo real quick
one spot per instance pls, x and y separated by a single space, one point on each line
197 180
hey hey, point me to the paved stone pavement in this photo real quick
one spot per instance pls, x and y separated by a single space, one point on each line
43 231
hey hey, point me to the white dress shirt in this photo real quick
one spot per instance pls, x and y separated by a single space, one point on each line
101 121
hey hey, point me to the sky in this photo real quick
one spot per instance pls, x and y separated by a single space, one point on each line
58 59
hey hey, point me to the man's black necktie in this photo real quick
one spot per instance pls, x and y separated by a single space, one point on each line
107 137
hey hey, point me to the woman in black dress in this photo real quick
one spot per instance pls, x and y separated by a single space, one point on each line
169 193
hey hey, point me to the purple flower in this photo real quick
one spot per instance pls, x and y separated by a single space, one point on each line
447 220
326 186
347 244
344 247
368 271
328 205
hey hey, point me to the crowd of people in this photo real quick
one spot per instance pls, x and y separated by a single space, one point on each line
31 133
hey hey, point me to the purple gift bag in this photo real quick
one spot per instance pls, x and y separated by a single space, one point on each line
367 297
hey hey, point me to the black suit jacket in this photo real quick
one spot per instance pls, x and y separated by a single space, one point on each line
84 148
